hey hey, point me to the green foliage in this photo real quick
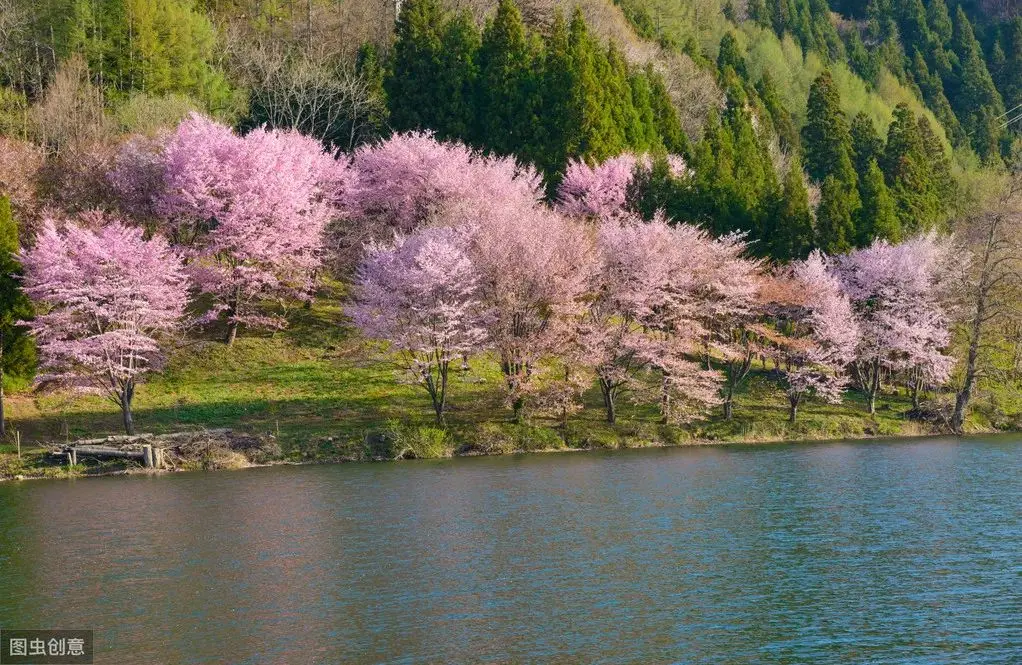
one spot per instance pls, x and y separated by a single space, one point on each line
17 350
914 181
878 217
826 141
792 237
432 78
149 46
835 228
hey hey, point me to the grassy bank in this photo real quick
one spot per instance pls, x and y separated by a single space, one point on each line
325 394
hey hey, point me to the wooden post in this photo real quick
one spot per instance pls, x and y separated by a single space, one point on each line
69 462
158 453
17 440
147 456
74 456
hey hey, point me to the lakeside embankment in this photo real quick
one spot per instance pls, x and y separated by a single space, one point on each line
215 450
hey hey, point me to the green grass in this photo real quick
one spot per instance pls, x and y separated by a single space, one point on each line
324 392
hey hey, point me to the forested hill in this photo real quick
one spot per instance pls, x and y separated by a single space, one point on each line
805 124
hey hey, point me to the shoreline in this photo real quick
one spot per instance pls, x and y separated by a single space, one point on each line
59 472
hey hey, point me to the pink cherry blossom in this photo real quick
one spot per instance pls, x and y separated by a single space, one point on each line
421 294
106 300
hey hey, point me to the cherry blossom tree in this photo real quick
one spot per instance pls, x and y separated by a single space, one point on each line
105 301
535 269
644 313
730 311
815 335
249 211
412 179
421 293
897 293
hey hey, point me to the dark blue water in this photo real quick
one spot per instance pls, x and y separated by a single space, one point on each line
834 553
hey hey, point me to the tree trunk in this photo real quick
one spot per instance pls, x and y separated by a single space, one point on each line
729 404
519 410
608 401
127 393
793 411
965 394
232 332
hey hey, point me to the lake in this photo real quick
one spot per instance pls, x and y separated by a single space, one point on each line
907 552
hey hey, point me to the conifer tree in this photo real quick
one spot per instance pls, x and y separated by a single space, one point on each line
878 217
826 142
907 173
731 56
17 350
976 100
417 100
835 229
784 125
866 143
507 60
665 116
792 239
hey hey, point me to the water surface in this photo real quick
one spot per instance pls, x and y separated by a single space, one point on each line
904 552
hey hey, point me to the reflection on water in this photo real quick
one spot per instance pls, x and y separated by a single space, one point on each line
907 552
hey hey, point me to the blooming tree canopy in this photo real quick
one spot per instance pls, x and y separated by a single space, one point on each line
420 293
535 267
898 295
817 333
412 179
105 299
248 210
648 292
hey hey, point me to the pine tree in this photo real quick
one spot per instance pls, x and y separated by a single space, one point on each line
665 116
730 55
457 81
976 100
835 229
507 103
17 351
562 116
826 142
941 178
878 217
416 99
784 125
792 237
866 143
908 175
938 18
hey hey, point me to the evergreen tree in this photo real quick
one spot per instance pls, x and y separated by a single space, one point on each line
507 88
561 115
835 229
878 217
598 137
17 350
665 116
792 238
784 125
941 178
938 18
430 72
730 55
907 173
826 142
932 88
458 78
976 100
866 143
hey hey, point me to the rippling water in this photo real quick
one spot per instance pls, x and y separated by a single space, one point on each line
864 552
